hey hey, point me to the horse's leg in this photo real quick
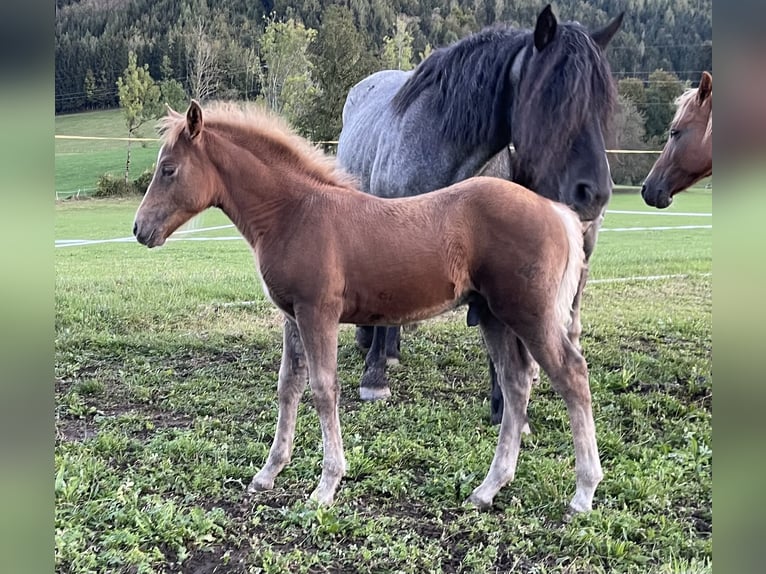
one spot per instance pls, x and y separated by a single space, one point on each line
374 383
320 339
589 244
568 372
393 341
575 327
512 365
363 336
293 375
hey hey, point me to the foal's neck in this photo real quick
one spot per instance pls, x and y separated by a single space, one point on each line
262 188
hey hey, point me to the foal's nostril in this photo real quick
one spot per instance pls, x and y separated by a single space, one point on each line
135 229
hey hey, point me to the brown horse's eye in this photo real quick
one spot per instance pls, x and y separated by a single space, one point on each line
168 170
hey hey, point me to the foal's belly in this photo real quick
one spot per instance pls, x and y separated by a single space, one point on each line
399 304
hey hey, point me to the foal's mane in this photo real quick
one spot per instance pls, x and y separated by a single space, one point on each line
252 123
686 102
567 83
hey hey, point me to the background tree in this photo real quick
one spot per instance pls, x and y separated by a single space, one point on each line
172 91
634 90
286 81
340 58
90 87
202 54
397 49
139 98
664 87
629 134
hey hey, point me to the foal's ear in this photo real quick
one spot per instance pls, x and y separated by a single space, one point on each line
194 119
171 111
603 36
545 29
705 87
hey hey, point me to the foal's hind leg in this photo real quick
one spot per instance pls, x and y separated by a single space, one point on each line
374 384
293 374
513 367
568 372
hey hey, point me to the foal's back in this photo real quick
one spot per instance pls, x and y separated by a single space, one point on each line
482 235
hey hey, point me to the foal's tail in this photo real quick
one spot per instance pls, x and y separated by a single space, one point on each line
570 281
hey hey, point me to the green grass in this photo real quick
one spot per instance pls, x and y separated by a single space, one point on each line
166 366
79 163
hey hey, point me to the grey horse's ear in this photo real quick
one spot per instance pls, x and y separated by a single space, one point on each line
705 87
194 119
603 36
545 29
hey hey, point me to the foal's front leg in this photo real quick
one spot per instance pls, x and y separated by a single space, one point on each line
293 374
319 333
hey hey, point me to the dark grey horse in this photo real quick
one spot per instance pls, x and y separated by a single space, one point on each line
547 91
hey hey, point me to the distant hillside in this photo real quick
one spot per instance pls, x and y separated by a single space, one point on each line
93 37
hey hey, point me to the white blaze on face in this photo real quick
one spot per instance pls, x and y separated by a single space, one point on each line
156 168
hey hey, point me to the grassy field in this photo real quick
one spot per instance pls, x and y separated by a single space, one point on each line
166 366
79 163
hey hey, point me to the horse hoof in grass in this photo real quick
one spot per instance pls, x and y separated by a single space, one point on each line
259 484
369 394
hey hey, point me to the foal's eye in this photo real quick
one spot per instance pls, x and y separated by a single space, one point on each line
168 170
675 133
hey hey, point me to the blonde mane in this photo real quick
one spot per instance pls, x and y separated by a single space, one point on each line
688 100
261 123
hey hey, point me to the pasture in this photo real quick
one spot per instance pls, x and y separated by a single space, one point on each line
80 162
165 384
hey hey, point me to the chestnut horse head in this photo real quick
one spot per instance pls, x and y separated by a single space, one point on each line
688 153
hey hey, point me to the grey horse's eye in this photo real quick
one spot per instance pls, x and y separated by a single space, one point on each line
675 133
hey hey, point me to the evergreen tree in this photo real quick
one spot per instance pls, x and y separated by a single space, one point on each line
664 87
340 60
397 50
286 69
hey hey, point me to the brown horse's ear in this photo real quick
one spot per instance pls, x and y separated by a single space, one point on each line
705 87
603 36
194 119
545 29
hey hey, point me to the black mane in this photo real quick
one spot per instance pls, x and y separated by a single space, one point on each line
558 90
473 78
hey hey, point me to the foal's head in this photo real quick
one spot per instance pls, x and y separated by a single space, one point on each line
183 185
688 153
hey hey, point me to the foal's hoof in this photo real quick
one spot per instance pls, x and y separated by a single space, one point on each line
322 498
259 484
570 513
477 502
